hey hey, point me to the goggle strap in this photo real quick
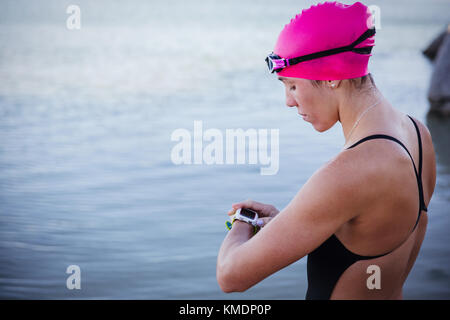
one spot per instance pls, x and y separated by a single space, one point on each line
369 33
365 50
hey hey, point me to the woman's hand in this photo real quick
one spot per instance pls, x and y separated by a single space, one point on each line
266 212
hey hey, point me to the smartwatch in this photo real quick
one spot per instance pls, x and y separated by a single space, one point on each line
246 215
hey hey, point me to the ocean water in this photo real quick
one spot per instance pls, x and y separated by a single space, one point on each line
86 117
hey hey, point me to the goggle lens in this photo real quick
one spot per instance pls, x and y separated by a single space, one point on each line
275 63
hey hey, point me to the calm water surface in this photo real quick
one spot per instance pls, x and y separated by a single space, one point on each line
86 117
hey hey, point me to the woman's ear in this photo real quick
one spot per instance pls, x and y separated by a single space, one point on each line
334 84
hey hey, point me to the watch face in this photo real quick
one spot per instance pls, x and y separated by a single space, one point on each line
248 213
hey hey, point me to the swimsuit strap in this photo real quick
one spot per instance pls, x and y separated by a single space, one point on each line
422 199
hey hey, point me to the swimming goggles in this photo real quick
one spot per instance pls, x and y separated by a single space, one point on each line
275 63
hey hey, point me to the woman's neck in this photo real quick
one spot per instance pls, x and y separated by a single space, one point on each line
355 108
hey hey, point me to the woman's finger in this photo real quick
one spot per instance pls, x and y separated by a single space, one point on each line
232 212
250 204
261 222
263 209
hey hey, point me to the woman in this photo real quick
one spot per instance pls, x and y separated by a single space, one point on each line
364 212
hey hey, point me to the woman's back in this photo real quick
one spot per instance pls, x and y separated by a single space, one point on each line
386 227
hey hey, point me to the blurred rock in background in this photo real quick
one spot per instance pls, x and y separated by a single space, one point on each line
439 91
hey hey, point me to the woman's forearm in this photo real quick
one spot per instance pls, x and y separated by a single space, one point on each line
240 233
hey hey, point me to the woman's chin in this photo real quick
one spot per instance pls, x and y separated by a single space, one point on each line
319 127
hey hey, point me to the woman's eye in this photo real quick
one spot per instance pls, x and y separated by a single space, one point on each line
292 88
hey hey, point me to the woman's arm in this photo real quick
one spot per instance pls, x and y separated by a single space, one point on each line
330 198
239 233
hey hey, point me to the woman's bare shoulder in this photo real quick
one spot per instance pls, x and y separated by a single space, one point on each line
352 176
367 170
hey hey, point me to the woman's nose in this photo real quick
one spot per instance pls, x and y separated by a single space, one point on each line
290 101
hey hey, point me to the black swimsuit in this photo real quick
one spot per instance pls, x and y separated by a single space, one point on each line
328 262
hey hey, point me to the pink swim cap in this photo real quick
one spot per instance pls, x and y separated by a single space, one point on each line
322 27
